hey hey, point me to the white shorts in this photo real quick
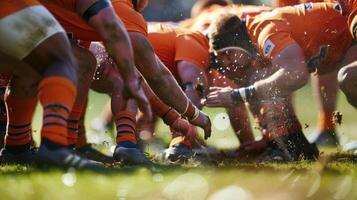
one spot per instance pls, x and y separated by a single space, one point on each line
22 31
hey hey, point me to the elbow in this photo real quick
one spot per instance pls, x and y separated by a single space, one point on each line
347 77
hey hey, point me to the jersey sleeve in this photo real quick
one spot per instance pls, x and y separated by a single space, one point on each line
272 39
188 49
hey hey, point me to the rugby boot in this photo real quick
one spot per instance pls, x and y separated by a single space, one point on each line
177 152
64 158
326 138
291 147
91 153
131 156
26 157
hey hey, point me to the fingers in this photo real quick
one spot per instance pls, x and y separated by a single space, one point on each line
212 89
144 104
208 132
206 125
208 129
214 101
146 108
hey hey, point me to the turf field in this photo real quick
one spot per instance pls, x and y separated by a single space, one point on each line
320 180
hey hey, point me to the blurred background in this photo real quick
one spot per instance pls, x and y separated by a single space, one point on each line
176 10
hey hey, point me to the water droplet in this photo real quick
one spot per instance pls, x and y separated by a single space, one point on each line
221 121
69 178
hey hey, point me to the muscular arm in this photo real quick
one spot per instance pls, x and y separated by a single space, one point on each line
292 75
117 43
240 122
191 75
114 36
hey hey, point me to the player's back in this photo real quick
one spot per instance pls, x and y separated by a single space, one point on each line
310 25
173 44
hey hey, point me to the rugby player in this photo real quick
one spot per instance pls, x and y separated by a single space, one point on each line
174 46
324 86
56 69
292 52
325 92
59 93
155 73
347 76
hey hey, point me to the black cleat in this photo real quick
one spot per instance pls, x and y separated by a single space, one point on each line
178 152
24 158
91 153
133 156
291 147
64 158
326 138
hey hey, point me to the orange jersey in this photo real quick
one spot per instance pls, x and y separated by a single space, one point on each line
7 7
78 29
69 5
176 44
318 28
203 21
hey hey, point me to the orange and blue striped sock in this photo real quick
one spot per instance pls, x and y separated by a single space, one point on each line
20 112
57 96
126 127
73 124
82 138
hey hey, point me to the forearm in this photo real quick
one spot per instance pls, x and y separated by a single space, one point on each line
280 84
240 122
168 90
168 114
194 98
119 48
116 41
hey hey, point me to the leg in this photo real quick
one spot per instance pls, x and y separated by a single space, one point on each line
86 68
283 133
347 79
325 92
57 92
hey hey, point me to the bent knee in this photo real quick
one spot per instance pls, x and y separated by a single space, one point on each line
347 77
86 61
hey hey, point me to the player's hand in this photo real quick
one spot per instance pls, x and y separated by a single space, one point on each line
134 87
180 125
219 97
204 122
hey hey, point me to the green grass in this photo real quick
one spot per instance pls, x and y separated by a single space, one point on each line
335 180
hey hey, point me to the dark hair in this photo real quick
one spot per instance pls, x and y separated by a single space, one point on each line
202 4
229 30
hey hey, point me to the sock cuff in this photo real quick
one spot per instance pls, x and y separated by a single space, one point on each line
58 80
21 104
76 111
